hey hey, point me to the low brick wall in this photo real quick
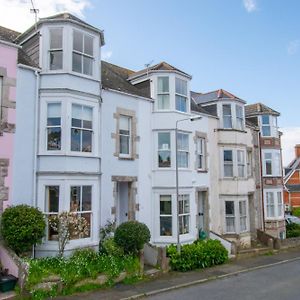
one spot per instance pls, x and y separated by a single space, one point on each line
290 242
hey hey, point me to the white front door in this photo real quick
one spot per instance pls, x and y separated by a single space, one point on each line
123 193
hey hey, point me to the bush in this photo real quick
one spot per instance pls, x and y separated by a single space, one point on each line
22 226
132 236
296 211
292 230
109 246
200 254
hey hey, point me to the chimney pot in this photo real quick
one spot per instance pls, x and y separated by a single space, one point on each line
297 150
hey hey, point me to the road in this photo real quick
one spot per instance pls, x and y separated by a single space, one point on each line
272 283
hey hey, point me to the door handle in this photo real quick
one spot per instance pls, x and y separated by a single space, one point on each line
126 214
201 214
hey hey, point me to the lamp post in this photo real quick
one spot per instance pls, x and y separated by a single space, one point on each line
176 172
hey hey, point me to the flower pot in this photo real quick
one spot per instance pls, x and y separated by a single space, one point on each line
7 283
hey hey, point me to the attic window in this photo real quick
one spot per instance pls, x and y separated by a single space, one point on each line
56 49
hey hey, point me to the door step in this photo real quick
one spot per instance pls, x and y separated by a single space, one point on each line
245 253
152 272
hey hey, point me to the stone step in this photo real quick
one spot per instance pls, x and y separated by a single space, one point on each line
7 295
151 272
244 253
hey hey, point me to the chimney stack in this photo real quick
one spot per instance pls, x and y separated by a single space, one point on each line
297 150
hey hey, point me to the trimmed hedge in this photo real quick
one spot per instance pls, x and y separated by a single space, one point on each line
200 254
292 230
131 236
296 211
22 226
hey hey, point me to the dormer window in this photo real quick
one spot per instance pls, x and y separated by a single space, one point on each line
181 95
82 53
163 93
227 117
56 49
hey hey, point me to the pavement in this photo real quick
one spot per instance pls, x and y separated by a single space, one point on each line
176 280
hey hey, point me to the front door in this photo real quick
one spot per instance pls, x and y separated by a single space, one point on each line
123 193
202 210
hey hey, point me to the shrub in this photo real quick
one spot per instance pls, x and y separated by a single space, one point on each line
22 226
106 232
132 236
200 254
109 246
292 230
296 211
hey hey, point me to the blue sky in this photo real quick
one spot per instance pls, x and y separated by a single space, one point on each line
248 47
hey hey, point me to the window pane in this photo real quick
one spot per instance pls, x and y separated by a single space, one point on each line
227 121
75 139
181 103
78 40
54 138
87 217
164 140
265 119
124 144
164 159
88 45
183 141
184 226
87 65
165 205
75 198
86 141
124 123
86 198
77 63
165 226
56 38
163 84
266 131
228 156
229 208
268 167
239 111
181 86
87 113
52 198
163 102
183 160
56 60
53 114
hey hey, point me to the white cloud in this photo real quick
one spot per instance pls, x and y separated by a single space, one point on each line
250 5
290 137
293 47
16 15
106 54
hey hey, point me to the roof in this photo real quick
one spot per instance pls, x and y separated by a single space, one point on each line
214 96
65 16
259 109
116 78
293 187
198 108
162 66
8 35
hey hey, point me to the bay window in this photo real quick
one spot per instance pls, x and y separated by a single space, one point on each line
125 135
82 56
227 116
265 125
181 95
234 164
184 214
54 126
164 149
183 150
228 163
229 216
241 163
51 209
165 215
56 49
163 93
81 128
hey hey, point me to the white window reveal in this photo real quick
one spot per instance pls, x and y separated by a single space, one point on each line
83 58
54 126
163 93
183 150
228 163
125 135
164 150
230 216
51 209
81 203
227 116
56 49
81 128
184 214
181 95
165 215
201 159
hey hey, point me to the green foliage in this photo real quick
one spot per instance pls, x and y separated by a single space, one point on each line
132 236
109 246
22 226
200 254
106 232
85 263
296 211
292 230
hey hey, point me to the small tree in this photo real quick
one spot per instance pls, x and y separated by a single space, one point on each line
132 236
22 226
67 225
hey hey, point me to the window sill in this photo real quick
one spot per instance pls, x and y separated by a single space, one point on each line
64 72
125 158
64 154
231 129
202 171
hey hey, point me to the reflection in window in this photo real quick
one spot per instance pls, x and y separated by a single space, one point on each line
165 215
163 96
227 117
183 150
181 95
228 163
54 126
56 49
52 208
164 150
230 216
184 214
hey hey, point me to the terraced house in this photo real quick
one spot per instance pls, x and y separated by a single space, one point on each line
107 143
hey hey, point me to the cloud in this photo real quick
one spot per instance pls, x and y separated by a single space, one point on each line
106 54
293 47
290 137
16 15
250 5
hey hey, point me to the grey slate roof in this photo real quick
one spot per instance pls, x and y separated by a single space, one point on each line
214 96
293 187
162 66
259 109
198 108
116 78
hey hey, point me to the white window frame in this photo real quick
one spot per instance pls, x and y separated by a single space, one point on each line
182 214
240 119
225 163
83 54
182 96
227 115
160 93
237 120
241 163
235 163
54 126
277 203
166 215
272 125
164 149
55 49
242 215
128 136
276 169
183 150
201 153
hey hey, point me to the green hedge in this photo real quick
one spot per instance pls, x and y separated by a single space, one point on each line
292 230
296 211
200 254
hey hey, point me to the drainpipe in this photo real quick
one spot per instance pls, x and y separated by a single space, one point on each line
261 181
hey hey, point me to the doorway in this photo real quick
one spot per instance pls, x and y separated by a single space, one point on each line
202 213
